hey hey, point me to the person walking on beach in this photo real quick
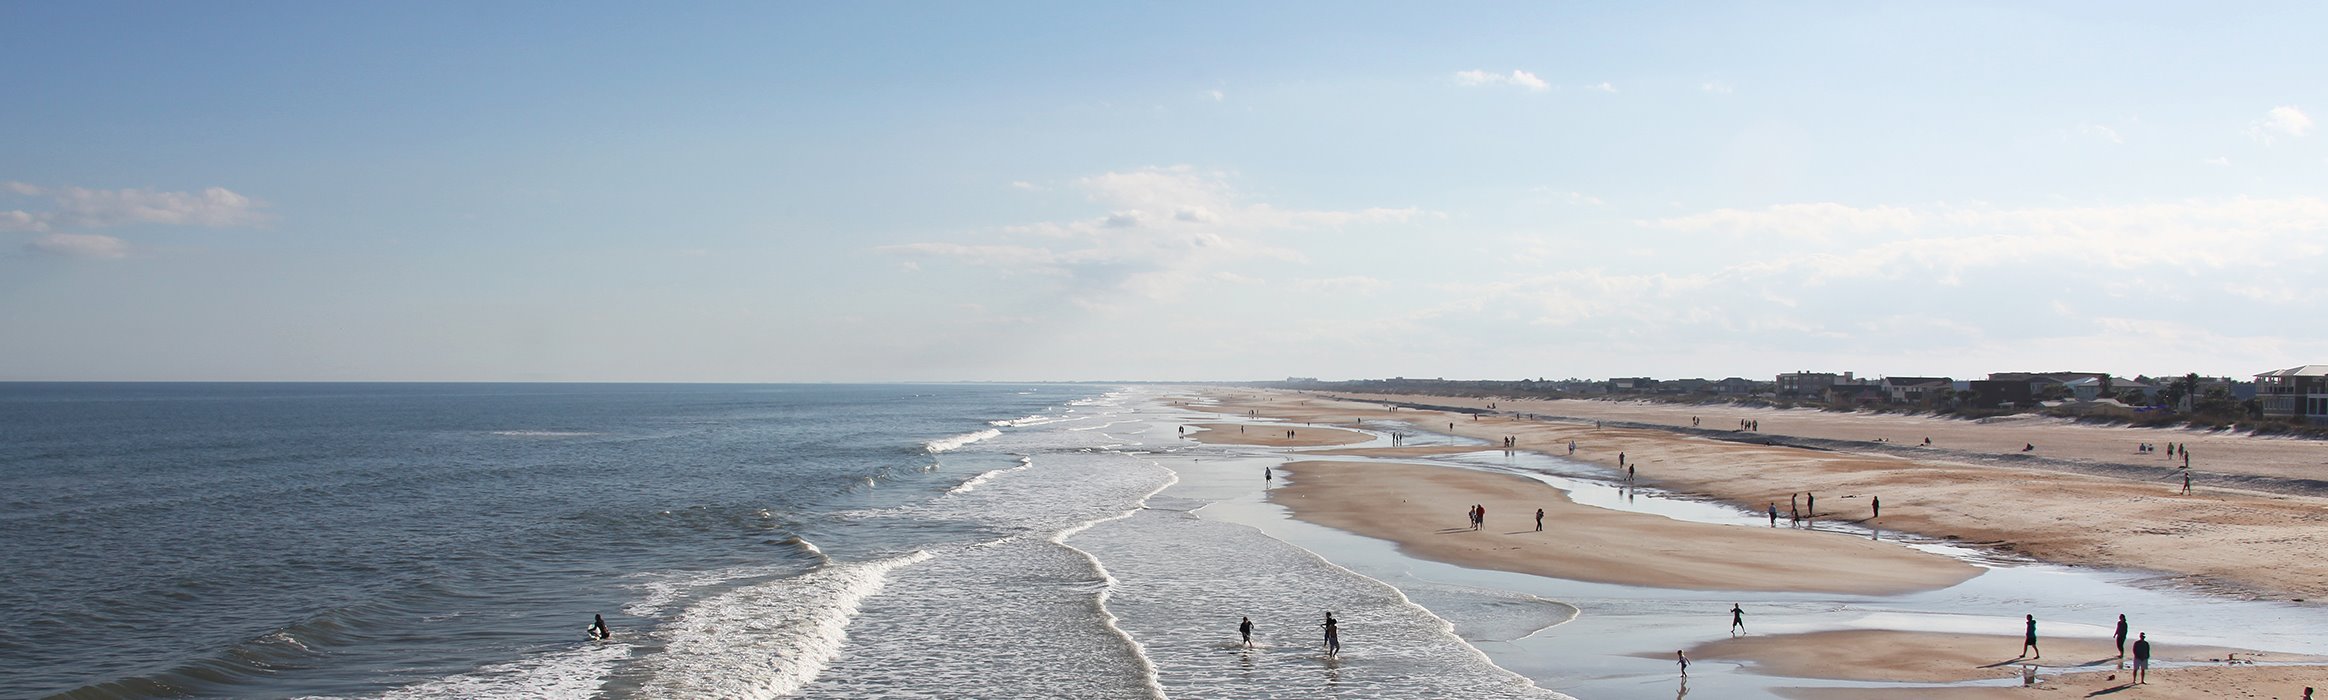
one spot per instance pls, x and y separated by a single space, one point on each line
2120 635
2029 641
1482 518
1876 504
1811 502
1333 635
2142 658
1245 629
1620 459
1737 619
2186 482
1774 513
1268 474
1539 520
1683 659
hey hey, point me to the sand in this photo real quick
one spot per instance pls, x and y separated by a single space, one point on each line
1930 657
2229 541
1423 509
1303 436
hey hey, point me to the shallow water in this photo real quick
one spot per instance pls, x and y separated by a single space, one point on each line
1620 641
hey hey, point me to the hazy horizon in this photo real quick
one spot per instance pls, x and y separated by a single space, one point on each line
754 193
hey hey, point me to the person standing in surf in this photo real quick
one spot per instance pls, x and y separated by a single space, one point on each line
598 628
1333 635
1245 629
1737 619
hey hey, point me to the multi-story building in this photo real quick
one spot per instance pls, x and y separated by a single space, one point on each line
2295 392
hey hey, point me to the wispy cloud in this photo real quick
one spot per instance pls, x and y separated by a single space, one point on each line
1814 220
80 245
2097 131
2284 120
1161 229
1601 87
84 208
1516 78
1216 95
1716 88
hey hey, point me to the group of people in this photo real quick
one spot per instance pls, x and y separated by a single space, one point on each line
1478 516
2141 671
1332 627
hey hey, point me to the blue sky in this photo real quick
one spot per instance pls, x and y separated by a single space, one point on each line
786 192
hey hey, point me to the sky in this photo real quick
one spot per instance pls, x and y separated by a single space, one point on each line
780 192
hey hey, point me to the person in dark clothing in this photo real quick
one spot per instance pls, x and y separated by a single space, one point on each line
2120 635
1876 504
1737 618
2142 657
1539 520
598 628
2029 642
1245 629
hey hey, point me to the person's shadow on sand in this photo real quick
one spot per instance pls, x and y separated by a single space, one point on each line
2111 689
1453 530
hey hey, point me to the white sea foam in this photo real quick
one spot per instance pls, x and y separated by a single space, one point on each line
766 640
959 441
973 482
571 673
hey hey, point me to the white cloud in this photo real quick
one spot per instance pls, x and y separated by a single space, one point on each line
80 245
1567 196
1517 78
1024 185
2100 132
1716 88
1162 228
1347 284
2282 120
20 220
79 207
1816 221
2219 161
1216 95
1601 87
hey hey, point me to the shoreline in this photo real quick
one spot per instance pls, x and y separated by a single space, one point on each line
2228 541
1416 507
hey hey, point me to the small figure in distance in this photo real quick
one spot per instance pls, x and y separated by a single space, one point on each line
1682 659
1245 629
598 628
2120 636
1333 635
1737 619
1539 520
2142 658
2029 641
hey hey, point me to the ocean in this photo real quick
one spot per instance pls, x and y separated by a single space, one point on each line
742 541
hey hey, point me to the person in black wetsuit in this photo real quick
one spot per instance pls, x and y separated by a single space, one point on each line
1737 618
2121 636
1245 629
598 628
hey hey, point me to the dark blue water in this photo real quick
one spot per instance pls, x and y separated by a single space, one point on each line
277 540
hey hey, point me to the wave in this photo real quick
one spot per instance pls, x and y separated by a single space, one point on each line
1037 419
573 673
972 483
957 442
663 590
767 640
542 433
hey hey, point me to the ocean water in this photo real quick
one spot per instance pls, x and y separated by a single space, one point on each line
743 541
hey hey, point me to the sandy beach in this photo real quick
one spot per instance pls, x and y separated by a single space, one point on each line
1423 508
2220 540
2230 541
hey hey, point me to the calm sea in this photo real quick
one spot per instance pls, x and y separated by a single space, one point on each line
748 541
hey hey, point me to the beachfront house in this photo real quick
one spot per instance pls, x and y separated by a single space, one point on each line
1810 384
1735 386
2295 393
1914 389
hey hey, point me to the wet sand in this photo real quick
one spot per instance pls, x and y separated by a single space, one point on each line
2229 541
1422 508
1930 657
1273 436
